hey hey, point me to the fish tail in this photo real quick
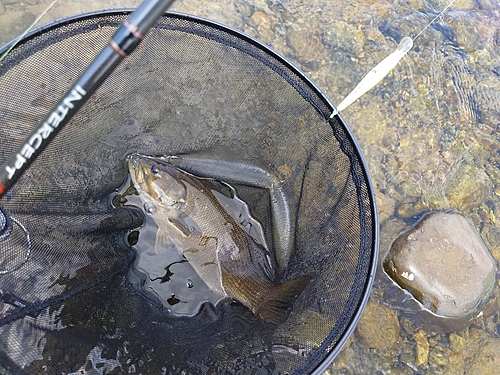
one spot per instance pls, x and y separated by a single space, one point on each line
275 306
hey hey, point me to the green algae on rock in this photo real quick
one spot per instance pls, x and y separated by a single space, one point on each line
444 264
468 188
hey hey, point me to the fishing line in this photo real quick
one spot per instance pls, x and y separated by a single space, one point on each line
27 30
383 68
434 19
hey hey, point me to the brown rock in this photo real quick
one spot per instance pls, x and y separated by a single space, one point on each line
341 361
378 327
444 263
481 353
344 35
422 348
468 188
264 24
455 363
464 4
438 356
305 41
456 343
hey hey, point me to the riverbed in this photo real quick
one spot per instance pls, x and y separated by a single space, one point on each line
429 133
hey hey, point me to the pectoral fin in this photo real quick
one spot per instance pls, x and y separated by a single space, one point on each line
162 241
185 224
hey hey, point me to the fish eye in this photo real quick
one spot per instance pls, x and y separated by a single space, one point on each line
154 169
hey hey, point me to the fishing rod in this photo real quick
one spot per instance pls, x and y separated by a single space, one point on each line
123 42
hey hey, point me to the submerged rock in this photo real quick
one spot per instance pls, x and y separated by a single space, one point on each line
422 348
468 188
481 353
444 264
378 327
457 343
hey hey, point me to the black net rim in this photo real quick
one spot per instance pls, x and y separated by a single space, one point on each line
346 132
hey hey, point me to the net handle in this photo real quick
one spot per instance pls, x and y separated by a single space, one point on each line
123 42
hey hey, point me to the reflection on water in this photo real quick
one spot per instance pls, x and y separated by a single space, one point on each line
162 269
166 275
429 133
32 334
96 365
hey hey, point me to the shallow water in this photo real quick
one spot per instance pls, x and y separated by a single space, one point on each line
429 133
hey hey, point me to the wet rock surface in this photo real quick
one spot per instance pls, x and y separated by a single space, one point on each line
468 188
378 327
444 263
485 361
422 357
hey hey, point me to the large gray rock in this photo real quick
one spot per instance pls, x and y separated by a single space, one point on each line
444 264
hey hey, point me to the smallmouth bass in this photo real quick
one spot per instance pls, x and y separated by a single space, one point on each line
230 261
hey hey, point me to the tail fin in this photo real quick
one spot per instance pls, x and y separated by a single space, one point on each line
281 297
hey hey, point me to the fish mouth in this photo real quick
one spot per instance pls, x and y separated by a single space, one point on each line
157 179
135 168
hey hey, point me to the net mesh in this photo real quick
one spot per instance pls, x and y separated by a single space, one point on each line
200 91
